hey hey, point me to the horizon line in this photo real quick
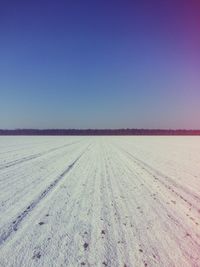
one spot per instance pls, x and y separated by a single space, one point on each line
90 132
99 129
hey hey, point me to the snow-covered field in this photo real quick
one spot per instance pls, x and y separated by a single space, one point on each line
99 201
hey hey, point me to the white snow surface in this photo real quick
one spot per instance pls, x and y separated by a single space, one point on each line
100 201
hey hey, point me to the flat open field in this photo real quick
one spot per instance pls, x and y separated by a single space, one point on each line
99 201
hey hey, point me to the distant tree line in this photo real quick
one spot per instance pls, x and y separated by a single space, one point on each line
98 132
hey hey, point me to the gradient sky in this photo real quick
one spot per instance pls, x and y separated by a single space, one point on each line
100 64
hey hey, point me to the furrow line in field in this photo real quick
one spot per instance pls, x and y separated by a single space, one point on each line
162 201
13 226
65 207
167 182
80 230
26 146
123 243
137 244
147 211
29 158
110 254
169 220
156 176
25 184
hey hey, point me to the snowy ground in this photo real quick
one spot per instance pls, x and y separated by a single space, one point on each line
99 201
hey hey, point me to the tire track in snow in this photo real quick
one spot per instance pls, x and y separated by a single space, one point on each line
184 194
127 207
24 147
151 254
167 181
80 230
168 218
110 252
13 226
26 186
25 159
63 206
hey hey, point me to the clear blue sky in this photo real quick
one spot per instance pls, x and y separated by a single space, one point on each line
99 64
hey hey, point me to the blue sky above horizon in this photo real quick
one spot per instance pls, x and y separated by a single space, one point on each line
100 64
